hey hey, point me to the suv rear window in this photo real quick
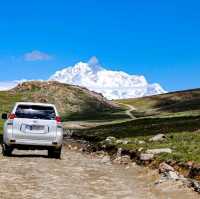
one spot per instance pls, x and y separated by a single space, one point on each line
35 112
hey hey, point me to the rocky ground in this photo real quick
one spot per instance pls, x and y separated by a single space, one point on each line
30 174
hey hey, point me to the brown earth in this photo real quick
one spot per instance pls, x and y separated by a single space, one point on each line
30 174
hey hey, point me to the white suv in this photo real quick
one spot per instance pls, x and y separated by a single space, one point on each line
33 126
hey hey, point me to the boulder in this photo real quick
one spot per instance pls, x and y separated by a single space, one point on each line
119 152
122 142
158 151
109 141
171 175
164 167
125 141
140 149
196 185
125 159
146 156
159 137
141 142
106 160
118 141
195 172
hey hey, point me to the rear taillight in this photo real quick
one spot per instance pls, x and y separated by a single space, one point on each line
58 119
12 116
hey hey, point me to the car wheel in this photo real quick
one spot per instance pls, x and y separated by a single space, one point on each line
6 150
54 153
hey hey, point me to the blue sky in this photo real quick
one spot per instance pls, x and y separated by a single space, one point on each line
157 39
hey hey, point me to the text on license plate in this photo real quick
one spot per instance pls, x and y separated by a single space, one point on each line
34 127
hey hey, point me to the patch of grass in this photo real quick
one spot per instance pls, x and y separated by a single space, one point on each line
185 146
183 102
1 126
72 102
7 101
183 135
145 127
100 116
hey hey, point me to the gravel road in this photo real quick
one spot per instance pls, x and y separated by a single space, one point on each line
30 174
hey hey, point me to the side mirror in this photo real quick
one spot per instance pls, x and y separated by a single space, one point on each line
4 116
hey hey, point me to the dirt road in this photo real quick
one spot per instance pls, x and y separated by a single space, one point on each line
30 174
129 110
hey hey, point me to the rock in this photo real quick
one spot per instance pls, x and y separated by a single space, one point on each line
168 172
146 156
125 141
110 140
122 157
101 154
171 175
118 141
158 151
133 154
159 137
106 160
141 142
119 152
195 172
190 164
196 185
122 142
134 164
125 159
117 159
163 167
75 148
140 149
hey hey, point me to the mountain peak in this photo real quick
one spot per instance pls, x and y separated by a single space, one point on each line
112 84
94 64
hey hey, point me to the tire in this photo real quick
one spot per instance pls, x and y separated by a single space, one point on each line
54 153
6 150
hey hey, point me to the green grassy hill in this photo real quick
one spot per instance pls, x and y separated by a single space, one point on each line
177 115
180 103
72 102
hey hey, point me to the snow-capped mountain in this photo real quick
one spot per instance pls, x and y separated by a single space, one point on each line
112 84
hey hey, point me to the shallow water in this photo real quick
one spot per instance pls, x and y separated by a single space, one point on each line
30 174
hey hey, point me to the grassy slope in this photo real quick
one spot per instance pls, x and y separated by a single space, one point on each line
7 101
73 103
176 114
172 104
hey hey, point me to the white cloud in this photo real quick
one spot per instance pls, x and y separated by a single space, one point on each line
8 85
93 61
36 55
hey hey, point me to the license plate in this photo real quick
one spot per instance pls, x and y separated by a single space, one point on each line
34 127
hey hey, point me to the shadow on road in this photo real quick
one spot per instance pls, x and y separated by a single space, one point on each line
29 156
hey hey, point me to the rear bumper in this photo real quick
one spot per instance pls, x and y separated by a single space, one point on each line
34 144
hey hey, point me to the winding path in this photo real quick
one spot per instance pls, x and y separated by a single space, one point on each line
129 110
